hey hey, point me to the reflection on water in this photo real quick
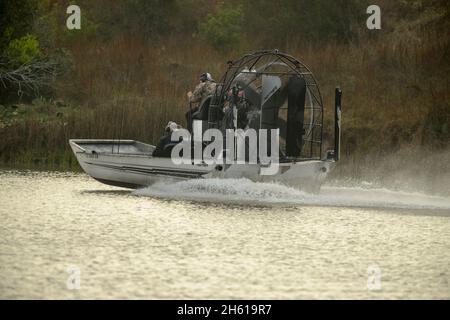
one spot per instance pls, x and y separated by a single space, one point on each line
218 239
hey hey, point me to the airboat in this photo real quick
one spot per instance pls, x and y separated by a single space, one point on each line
276 91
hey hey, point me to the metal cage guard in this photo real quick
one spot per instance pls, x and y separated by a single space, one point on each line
313 136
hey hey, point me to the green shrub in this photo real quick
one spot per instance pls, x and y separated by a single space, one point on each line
16 19
223 30
23 50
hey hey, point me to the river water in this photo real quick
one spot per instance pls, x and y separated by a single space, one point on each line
67 236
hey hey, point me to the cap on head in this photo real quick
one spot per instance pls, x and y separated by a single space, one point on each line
171 126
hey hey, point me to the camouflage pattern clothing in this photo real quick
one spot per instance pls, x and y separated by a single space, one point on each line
202 90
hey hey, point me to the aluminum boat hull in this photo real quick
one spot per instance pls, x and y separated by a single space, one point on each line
130 164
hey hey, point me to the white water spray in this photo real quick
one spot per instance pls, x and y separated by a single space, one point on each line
244 191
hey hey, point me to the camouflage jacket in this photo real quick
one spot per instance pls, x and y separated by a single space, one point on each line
202 90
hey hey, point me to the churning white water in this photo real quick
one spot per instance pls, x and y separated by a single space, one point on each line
247 191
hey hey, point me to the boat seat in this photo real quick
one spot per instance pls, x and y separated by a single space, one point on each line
202 113
168 147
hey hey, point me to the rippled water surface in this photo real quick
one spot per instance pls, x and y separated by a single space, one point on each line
218 240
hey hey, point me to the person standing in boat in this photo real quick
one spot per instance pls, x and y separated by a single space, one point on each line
205 88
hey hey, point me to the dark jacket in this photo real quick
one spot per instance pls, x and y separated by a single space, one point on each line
161 150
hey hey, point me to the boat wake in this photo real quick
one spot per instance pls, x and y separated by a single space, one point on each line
244 191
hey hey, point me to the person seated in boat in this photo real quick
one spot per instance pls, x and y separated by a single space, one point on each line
165 144
235 98
205 88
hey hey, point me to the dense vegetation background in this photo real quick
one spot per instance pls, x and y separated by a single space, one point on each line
138 58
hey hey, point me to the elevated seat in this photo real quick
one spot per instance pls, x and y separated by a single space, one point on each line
202 113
